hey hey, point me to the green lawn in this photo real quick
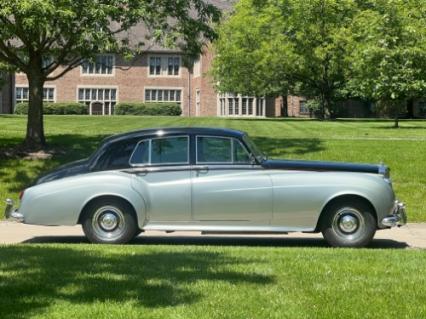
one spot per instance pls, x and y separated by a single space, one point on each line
168 281
271 278
404 149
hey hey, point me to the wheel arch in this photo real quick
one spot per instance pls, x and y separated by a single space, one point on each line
345 197
103 197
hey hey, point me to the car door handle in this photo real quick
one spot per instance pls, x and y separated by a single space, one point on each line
202 168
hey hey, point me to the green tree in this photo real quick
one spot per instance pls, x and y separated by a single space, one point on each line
39 36
387 57
285 46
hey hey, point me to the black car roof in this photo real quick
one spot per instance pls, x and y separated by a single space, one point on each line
163 131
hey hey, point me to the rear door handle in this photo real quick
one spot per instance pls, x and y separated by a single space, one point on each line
202 168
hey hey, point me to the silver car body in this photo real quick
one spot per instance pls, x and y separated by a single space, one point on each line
220 198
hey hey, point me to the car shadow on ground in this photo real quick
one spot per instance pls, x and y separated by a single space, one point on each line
251 241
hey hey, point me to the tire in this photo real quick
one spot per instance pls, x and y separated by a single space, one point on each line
109 221
348 223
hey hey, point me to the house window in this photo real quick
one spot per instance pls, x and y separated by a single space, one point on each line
163 95
164 65
303 107
155 65
22 94
100 101
233 105
103 65
197 68
173 66
197 102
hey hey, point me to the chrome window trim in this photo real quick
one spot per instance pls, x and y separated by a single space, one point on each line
149 164
232 139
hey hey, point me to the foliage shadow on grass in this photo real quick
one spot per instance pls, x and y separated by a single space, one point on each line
36 277
288 146
64 149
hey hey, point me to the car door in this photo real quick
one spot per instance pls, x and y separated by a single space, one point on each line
226 186
163 177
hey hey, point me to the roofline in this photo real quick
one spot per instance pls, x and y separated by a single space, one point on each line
164 131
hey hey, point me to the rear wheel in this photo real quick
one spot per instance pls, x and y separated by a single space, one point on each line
348 224
109 221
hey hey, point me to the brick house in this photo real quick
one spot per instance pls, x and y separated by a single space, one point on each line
158 75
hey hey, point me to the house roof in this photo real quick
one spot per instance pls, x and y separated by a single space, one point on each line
140 32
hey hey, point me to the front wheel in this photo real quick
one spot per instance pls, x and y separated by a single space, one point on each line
109 221
348 224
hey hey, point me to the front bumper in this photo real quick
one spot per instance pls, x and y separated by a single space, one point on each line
398 216
12 213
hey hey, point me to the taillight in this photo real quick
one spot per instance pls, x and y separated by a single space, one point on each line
21 194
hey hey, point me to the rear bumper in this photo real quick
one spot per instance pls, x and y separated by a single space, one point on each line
12 213
398 216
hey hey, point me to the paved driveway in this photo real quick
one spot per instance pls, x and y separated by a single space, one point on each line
409 236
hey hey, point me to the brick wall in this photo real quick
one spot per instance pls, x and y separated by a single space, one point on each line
129 77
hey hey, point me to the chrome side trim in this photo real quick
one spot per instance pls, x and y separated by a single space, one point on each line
157 169
11 213
398 216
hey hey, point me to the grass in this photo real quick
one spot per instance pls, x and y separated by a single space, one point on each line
219 279
160 281
373 141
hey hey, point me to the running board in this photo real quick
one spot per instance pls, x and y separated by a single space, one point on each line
242 233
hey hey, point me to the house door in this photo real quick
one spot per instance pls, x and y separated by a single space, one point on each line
97 108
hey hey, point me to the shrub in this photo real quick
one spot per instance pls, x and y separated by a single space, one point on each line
166 109
55 108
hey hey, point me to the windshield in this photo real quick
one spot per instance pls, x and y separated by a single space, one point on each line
260 157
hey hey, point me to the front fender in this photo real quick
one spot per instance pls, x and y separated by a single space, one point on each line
60 202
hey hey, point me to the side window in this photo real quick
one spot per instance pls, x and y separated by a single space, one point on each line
240 153
169 150
172 150
221 150
214 150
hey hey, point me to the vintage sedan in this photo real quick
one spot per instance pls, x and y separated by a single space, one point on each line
209 180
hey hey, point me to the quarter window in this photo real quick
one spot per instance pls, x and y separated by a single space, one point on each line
221 150
160 151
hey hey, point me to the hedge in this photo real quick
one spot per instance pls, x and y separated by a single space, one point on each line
55 108
166 108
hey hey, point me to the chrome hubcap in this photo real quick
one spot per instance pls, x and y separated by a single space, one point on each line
108 221
348 223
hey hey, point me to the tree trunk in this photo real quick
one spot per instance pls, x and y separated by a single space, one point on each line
410 108
35 138
396 124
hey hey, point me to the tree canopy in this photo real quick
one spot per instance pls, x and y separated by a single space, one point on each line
39 36
387 53
325 50
285 46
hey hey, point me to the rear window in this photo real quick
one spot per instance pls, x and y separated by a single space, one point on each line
116 156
